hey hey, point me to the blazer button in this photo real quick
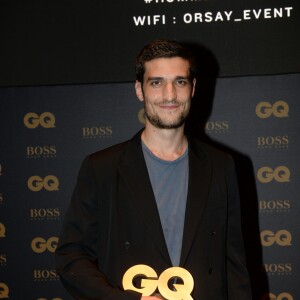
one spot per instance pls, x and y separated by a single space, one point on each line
127 245
213 233
210 271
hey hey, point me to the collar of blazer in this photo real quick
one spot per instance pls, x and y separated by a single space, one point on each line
133 170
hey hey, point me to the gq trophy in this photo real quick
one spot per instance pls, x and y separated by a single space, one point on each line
150 282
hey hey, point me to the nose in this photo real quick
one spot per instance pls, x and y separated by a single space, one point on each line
169 91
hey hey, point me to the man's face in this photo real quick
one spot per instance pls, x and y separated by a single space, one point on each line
166 92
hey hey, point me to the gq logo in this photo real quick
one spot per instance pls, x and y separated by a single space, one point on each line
50 183
282 296
149 285
280 174
279 109
40 245
2 230
281 238
46 120
4 291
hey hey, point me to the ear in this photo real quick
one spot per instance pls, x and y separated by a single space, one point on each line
139 90
193 86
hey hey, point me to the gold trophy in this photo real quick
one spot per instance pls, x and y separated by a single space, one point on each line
152 283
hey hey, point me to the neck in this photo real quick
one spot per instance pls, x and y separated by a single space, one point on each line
167 144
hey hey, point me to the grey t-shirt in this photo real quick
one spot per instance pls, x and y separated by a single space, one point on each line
169 180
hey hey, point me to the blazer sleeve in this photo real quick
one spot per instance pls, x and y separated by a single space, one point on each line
238 282
76 253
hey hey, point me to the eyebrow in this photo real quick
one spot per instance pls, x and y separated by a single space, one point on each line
160 78
154 78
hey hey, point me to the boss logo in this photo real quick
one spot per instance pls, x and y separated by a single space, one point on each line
41 213
150 282
2 230
282 296
93 132
33 120
41 151
3 259
50 183
4 291
217 126
142 116
269 141
40 245
279 109
280 174
280 269
274 205
45 275
281 238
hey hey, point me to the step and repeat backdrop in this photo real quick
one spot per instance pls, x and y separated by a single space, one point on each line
66 78
46 132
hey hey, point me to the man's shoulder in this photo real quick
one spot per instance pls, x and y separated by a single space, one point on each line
218 158
108 156
211 152
109 152
114 152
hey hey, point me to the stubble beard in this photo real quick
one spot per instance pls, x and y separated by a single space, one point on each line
158 122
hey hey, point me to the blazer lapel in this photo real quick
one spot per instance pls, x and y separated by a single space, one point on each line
133 171
198 191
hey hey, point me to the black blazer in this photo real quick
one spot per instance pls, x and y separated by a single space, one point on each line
113 223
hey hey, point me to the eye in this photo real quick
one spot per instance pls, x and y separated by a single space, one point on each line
181 82
155 83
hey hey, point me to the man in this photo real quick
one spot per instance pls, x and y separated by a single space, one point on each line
160 200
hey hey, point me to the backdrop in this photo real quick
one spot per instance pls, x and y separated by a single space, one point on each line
50 119
46 132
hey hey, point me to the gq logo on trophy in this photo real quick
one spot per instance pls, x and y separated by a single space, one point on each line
182 291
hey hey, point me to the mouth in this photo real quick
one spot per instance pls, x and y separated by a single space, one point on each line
171 105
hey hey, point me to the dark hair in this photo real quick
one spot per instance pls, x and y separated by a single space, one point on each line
164 49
